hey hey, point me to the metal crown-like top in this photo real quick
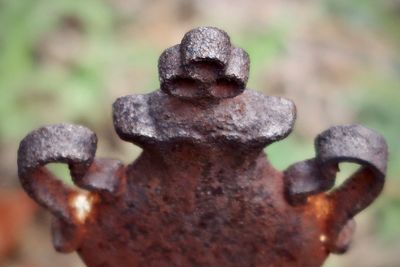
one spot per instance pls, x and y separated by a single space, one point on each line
204 65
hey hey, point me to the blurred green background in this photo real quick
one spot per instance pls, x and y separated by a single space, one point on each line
67 61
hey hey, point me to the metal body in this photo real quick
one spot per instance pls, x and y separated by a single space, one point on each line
203 192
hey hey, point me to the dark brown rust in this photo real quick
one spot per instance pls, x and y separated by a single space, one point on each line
202 193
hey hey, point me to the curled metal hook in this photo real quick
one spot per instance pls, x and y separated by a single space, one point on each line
348 143
76 146
63 143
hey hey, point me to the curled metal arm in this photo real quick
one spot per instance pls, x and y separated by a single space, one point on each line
62 143
349 143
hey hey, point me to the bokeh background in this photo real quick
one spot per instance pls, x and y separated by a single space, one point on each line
67 61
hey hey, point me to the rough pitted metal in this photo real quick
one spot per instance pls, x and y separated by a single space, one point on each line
67 143
64 143
103 176
345 143
251 119
238 67
353 143
169 64
204 65
306 178
206 44
202 193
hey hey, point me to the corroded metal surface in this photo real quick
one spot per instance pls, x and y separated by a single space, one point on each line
202 193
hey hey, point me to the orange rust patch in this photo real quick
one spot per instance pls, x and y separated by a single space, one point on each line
319 206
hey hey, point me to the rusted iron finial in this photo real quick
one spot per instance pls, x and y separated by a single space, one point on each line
202 193
204 65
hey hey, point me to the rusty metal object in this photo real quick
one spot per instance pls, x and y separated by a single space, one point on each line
202 193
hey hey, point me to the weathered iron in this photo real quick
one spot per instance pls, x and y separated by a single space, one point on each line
202 193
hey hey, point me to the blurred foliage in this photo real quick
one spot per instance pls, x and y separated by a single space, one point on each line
383 16
379 109
31 90
263 47
28 91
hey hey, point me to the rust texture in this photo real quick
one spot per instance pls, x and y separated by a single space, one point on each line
202 193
